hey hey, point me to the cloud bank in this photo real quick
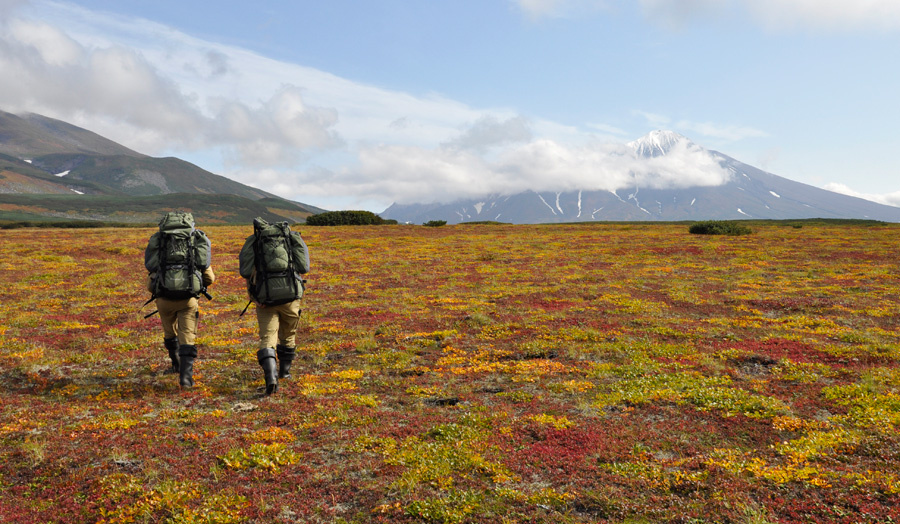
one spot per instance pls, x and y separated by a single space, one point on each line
447 173
889 199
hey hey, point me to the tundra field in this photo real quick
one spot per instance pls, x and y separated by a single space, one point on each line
478 373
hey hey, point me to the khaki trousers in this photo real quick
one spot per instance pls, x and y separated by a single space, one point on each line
179 318
278 324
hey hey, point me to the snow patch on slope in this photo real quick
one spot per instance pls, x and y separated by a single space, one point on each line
546 204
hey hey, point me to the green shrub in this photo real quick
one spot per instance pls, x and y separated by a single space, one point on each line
345 218
718 227
435 223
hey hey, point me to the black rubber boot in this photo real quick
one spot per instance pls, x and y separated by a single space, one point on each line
285 357
186 356
266 359
172 345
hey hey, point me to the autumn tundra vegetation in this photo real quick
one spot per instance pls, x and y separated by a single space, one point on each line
588 373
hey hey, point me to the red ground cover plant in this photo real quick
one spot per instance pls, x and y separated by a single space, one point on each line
489 373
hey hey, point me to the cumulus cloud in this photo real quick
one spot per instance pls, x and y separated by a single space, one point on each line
275 133
54 47
444 174
888 199
489 131
138 98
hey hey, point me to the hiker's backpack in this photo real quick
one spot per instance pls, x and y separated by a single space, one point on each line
177 254
272 260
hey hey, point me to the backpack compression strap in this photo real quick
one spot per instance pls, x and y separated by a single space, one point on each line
289 247
259 257
193 265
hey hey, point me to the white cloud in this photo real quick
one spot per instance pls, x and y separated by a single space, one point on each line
676 13
829 14
444 174
489 131
780 14
888 199
537 9
276 133
783 14
160 93
52 45
550 166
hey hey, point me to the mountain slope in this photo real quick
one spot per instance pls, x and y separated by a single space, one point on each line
747 193
45 156
18 176
143 176
34 135
75 154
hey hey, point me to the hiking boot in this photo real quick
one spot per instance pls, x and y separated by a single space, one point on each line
266 359
285 357
186 356
172 345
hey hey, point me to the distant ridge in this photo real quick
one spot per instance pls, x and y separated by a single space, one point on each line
32 135
748 193
45 156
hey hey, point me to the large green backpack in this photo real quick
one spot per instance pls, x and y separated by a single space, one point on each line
272 260
177 254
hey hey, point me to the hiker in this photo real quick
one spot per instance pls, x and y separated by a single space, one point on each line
178 259
272 260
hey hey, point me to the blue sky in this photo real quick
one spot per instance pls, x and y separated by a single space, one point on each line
357 104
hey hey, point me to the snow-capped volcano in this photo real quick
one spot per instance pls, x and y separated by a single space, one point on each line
659 143
671 178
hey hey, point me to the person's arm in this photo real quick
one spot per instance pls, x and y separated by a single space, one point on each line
209 277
